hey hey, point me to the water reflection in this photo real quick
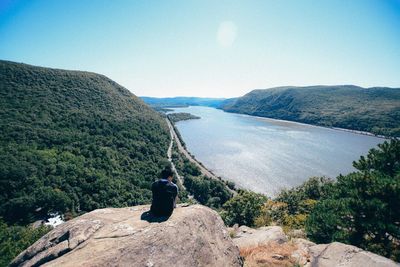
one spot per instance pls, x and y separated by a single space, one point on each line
266 155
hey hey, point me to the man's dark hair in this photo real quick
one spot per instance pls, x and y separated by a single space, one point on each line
167 172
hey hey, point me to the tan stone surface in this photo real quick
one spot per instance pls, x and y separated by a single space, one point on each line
192 236
247 237
339 254
270 246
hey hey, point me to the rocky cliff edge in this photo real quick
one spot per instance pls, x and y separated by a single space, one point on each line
192 236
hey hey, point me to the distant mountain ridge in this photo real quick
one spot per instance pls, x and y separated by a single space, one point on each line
182 101
375 110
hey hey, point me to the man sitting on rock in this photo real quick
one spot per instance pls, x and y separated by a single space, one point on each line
165 194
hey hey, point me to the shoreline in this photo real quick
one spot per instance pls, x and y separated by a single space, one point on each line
320 126
314 125
190 157
306 124
280 125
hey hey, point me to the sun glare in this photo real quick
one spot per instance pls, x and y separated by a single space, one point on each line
226 34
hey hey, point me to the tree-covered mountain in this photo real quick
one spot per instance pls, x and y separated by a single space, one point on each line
375 109
182 101
73 141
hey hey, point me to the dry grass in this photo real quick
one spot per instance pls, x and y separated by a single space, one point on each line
271 255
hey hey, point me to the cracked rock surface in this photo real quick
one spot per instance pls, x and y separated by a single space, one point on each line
192 236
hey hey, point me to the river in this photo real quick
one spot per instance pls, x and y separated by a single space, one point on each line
266 155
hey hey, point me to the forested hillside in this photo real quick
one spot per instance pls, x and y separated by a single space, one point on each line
375 110
73 141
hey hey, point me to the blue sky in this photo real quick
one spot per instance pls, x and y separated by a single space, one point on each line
209 47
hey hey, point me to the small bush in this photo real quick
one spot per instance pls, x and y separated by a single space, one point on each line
243 208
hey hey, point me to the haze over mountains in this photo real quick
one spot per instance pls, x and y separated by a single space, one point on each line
375 110
182 101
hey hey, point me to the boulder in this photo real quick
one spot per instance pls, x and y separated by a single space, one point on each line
192 236
339 254
270 245
245 236
302 253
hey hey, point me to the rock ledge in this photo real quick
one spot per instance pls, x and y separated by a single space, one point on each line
192 236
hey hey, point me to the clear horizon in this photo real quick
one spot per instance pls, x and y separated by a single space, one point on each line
209 48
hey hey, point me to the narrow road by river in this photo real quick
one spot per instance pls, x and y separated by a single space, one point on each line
169 154
183 150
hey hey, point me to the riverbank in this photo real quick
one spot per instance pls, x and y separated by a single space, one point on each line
313 125
266 155
182 149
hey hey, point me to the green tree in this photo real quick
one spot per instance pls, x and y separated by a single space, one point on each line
243 208
314 188
385 159
73 141
292 206
362 208
15 239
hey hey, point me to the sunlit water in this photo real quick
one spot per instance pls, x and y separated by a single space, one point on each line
266 155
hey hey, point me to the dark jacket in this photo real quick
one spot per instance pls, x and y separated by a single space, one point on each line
164 195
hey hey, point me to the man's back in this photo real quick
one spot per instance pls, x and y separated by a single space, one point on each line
164 194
